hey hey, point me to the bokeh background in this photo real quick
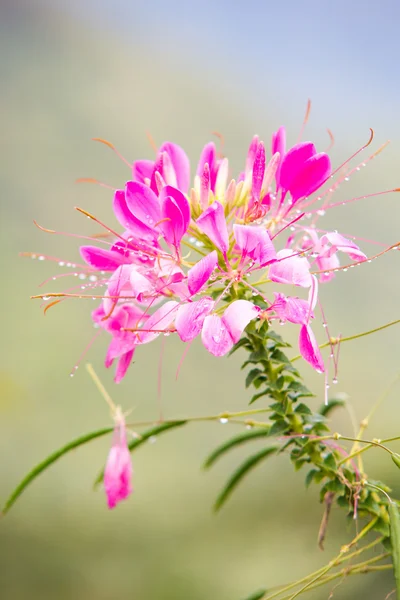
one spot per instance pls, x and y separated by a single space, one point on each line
179 70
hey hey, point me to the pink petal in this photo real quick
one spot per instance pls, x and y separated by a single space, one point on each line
101 259
290 309
140 285
117 282
314 172
237 316
190 317
309 349
182 219
215 336
159 321
326 263
180 164
255 242
293 162
212 222
339 242
142 170
143 203
129 221
290 268
200 273
122 366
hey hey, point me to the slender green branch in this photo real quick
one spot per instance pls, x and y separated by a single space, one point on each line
352 337
345 557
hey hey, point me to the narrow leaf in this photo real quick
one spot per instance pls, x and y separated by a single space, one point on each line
259 595
395 540
232 443
326 409
47 462
154 431
238 475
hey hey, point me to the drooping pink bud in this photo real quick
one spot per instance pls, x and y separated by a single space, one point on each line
118 470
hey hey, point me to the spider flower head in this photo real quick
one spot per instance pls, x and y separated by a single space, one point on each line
208 259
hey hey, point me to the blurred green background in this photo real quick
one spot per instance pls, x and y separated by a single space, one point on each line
71 71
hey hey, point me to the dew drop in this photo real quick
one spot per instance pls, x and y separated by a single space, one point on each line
324 324
167 333
152 439
61 263
41 257
82 276
33 256
320 212
223 420
249 426
334 380
45 298
93 278
216 338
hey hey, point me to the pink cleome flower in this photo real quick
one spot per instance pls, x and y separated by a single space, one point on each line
194 260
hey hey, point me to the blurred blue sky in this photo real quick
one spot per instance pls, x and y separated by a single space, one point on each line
343 55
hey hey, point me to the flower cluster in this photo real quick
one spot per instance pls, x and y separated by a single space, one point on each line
193 260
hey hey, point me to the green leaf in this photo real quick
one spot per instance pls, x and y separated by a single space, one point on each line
303 409
278 428
142 439
242 342
238 440
259 395
330 461
47 462
394 519
238 475
259 595
253 376
310 476
326 409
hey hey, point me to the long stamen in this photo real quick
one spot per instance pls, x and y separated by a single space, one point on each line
113 148
96 182
371 137
73 235
305 121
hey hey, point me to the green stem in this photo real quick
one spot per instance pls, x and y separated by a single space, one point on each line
341 560
335 561
353 337
359 569
232 417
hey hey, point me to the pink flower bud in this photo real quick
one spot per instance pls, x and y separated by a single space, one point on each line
118 471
